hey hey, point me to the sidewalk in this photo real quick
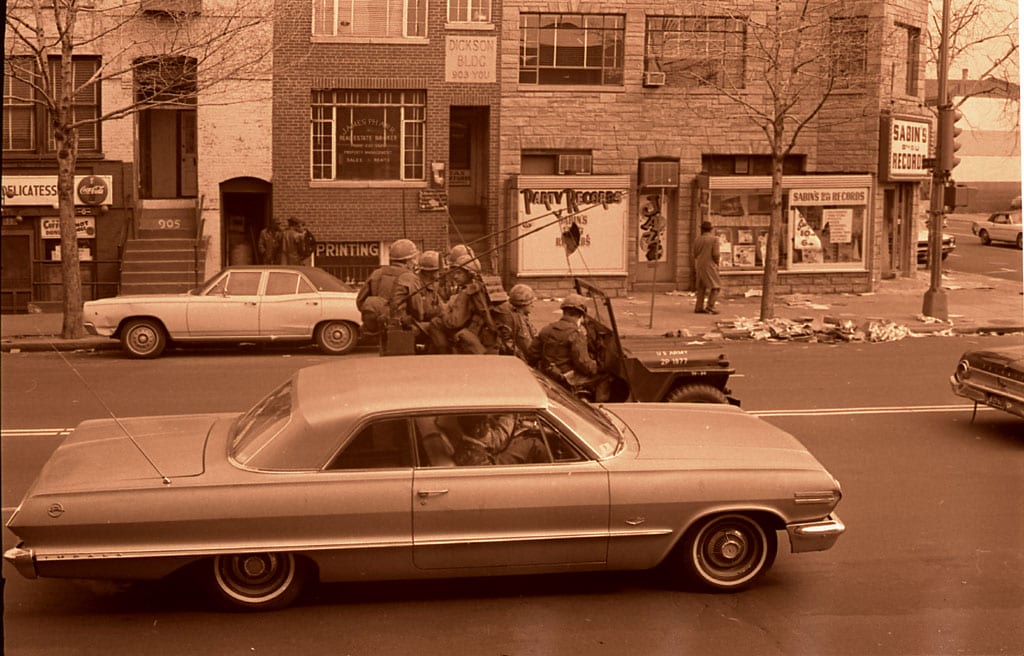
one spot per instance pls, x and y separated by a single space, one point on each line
976 304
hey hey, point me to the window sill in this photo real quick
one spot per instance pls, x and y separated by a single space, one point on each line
367 184
470 26
853 267
392 40
572 88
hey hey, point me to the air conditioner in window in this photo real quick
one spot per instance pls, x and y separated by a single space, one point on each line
172 7
654 79
575 164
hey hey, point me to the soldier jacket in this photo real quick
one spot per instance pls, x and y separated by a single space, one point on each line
562 346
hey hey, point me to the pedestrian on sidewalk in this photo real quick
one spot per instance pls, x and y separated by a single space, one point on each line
706 257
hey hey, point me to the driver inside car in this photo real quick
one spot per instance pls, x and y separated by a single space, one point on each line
561 351
483 439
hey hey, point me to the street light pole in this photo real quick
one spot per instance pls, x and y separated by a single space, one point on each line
935 302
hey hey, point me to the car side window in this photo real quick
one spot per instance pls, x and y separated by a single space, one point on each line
485 439
280 283
243 283
305 287
218 287
382 444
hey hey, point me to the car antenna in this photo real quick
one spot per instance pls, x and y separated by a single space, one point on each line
124 429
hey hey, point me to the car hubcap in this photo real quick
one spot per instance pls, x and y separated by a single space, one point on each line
255 577
143 339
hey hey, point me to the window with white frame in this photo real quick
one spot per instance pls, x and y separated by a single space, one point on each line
697 50
27 127
370 18
469 11
368 135
580 49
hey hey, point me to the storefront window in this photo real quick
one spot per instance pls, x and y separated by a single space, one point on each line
823 225
741 220
368 135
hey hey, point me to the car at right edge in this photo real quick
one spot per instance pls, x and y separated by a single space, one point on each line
993 377
1000 226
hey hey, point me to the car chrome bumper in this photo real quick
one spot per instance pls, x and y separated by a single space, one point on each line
991 398
815 536
23 560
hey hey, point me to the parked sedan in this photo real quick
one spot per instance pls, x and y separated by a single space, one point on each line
948 245
243 303
994 377
1000 226
476 466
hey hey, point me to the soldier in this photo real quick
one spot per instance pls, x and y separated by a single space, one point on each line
374 299
513 316
448 330
415 300
560 351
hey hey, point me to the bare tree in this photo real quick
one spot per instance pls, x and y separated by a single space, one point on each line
780 69
167 50
983 37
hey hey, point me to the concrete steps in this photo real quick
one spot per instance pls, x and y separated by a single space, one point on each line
158 266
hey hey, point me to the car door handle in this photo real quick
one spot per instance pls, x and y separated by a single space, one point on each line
430 493
312 303
250 302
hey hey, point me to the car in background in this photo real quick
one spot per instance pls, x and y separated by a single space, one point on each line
478 466
1000 226
239 304
948 245
994 377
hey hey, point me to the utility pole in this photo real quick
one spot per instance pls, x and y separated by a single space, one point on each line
935 302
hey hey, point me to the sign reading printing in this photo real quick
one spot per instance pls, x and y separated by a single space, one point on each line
470 59
828 197
908 147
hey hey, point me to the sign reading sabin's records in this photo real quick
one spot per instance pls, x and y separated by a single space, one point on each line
567 225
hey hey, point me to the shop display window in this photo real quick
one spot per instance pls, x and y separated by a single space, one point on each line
815 234
741 221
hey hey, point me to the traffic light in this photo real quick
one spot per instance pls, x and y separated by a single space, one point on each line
948 145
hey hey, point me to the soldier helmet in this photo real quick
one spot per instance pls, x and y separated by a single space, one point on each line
521 295
458 250
467 263
574 302
402 250
430 261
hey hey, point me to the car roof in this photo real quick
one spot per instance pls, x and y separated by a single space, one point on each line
358 386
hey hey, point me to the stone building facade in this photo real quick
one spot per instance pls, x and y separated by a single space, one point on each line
592 138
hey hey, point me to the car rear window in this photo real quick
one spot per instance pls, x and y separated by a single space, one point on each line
256 429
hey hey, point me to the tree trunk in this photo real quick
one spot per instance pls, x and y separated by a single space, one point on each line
771 250
65 135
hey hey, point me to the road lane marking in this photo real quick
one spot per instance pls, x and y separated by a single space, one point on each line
882 410
35 432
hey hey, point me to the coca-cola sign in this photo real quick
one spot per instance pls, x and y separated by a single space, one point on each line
93 190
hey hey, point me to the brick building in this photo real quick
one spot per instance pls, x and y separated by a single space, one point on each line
386 122
522 118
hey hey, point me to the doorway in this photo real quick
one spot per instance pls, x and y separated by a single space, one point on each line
245 211
15 272
468 171
168 154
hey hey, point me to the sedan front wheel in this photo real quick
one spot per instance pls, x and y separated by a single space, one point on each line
337 337
727 552
259 581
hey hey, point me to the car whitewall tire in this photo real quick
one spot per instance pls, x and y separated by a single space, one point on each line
258 581
728 552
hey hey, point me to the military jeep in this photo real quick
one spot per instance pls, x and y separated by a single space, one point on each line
673 373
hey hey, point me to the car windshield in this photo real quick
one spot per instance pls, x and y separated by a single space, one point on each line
256 429
587 421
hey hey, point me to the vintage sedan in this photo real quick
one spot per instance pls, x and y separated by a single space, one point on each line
239 304
1000 226
478 466
993 377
